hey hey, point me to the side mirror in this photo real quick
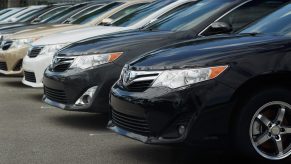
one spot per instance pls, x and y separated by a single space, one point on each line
106 22
36 20
219 28
68 21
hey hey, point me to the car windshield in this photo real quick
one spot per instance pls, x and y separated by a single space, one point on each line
27 16
85 11
138 15
192 16
127 11
94 14
4 11
52 12
57 16
10 13
278 23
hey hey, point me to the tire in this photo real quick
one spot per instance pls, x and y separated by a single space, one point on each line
249 126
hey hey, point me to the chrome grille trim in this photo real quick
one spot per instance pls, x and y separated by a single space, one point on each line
138 81
61 64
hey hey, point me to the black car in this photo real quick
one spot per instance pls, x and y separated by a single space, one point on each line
82 74
234 87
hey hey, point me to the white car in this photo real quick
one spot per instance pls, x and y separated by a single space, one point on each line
43 50
16 17
16 46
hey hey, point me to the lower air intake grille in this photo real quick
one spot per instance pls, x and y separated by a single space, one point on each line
140 86
29 76
133 124
18 66
56 95
3 66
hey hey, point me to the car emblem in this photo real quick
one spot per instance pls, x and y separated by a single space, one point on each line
128 77
56 62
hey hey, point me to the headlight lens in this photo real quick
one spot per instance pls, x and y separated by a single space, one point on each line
51 49
179 78
88 61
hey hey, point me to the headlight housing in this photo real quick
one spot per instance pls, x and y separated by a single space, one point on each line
51 49
89 61
184 77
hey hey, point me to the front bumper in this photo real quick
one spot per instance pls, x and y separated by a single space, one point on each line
11 61
166 116
72 84
34 69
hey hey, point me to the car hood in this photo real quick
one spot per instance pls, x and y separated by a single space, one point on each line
131 43
207 51
77 35
117 41
12 25
43 30
15 28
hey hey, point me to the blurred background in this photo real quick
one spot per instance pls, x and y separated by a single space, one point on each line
17 3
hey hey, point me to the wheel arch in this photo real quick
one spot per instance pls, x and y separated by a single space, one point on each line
254 85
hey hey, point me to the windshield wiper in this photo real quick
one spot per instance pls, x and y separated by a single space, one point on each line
252 33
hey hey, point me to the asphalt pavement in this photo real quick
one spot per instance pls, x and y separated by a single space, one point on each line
33 132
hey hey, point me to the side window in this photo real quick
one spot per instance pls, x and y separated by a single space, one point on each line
249 13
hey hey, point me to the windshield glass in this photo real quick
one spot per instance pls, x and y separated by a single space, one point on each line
10 13
85 11
94 14
4 11
278 23
138 15
127 11
65 12
52 12
190 17
27 16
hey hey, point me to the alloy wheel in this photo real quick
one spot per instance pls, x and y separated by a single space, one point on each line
270 131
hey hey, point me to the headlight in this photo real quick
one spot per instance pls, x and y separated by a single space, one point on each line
51 49
88 61
179 78
22 42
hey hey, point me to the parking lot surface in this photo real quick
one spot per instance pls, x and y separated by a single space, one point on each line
33 132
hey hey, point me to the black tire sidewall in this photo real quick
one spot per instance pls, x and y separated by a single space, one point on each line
242 139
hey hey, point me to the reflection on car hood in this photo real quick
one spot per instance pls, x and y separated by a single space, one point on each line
77 35
206 51
12 25
13 29
124 41
44 30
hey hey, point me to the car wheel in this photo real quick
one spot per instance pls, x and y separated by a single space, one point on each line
263 125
